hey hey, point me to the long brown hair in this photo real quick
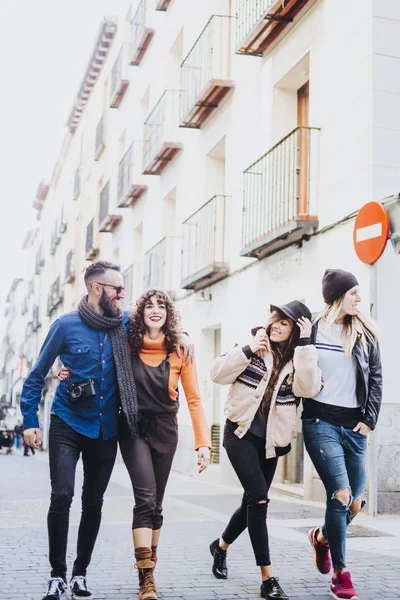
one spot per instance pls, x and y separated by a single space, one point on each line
171 327
281 353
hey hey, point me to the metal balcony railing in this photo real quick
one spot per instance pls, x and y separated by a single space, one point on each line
107 220
35 318
100 140
280 194
91 249
77 183
159 263
160 144
129 175
203 241
141 34
162 4
119 77
259 22
133 282
55 296
206 72
70 268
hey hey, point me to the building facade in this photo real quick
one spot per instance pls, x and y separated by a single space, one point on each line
221 150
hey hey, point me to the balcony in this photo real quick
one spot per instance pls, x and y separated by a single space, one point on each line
100 142
39 261
133 282
260 22
119 77
159 265
280 195
107 220
77 183
205 73
163 5
203 237
91 247
35 319
129 174
55 296
160 145
70 268
141 34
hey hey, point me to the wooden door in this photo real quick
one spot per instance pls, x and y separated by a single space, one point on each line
303 95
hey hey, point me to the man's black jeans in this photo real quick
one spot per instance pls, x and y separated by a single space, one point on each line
98 457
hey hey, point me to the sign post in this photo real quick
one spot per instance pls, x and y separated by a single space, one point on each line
370 236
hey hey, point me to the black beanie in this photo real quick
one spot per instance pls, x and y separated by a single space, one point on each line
335 283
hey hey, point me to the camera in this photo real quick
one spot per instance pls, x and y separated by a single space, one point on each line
78 391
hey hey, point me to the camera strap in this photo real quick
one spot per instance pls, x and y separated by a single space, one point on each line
101 355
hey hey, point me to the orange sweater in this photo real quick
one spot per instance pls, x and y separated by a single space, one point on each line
152 353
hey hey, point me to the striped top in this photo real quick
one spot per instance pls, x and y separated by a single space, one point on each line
339 371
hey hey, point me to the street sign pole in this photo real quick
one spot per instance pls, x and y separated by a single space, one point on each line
373 441
370 235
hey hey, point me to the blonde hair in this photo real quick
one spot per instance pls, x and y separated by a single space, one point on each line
354 326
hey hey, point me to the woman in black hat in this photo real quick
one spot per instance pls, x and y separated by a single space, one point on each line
267 377
337 421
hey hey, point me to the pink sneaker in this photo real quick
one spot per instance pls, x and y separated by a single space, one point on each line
322 558
342 587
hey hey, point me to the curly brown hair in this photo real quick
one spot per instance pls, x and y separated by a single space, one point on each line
171 327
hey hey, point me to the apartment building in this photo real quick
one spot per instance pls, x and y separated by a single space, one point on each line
220 150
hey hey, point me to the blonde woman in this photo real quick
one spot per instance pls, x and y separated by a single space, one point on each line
267 377
337 421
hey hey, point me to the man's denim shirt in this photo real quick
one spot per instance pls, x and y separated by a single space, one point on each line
78 347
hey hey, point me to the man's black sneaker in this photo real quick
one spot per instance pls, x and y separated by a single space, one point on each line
56 589
271 590
79 589
219 568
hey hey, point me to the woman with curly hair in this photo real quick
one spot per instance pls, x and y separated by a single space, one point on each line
154 336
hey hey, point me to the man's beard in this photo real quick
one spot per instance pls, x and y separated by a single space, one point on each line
109 309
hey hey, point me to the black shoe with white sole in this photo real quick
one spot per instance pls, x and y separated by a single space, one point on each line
56 589
79 588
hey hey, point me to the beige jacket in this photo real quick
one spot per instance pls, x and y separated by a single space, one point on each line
243 401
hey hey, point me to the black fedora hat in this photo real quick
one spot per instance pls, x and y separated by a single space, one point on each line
294 310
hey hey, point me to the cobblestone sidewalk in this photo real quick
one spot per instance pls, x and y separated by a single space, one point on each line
192 520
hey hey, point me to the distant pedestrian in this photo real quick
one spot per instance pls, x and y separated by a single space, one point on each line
337 421
18 431
267 375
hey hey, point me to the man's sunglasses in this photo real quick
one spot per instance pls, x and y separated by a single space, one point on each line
117 288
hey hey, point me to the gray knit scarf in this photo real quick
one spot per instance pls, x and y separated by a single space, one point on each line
122 359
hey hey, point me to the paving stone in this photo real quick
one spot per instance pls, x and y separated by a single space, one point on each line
184 568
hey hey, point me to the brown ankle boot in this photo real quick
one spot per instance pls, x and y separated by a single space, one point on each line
147 586
154 559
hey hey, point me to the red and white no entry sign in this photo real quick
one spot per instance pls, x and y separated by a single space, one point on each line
371 232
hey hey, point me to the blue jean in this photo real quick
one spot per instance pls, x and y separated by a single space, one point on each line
18 440
339 455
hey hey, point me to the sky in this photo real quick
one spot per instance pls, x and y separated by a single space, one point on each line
45 46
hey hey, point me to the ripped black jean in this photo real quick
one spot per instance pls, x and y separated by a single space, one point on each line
255 473
339 455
